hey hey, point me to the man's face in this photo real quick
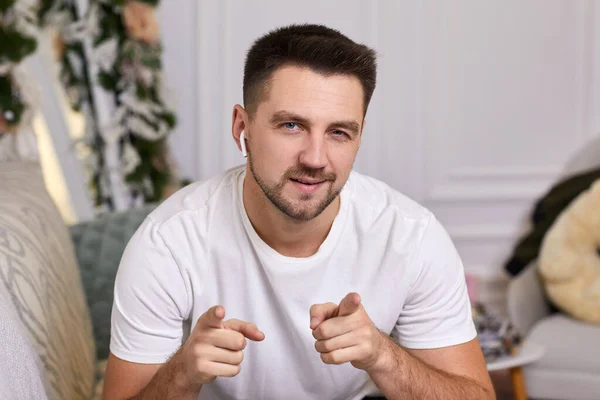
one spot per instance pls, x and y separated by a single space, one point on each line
304 138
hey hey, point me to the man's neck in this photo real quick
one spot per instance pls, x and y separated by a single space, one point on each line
287 236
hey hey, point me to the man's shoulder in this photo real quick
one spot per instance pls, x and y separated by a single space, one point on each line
378 196
197 196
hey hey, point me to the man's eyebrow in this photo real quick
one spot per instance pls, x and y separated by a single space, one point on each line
352 126
287 116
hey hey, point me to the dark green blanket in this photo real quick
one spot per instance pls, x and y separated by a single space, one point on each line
546 210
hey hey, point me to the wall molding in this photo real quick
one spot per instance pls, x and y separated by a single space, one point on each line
525 172
515 183
483 232
209 91
583 45
486 192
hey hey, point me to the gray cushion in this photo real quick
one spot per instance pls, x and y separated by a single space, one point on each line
99 245
570 344
545 383
40 274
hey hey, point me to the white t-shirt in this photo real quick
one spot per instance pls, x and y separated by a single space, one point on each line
199 249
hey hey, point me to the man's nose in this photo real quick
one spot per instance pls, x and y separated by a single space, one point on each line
314 154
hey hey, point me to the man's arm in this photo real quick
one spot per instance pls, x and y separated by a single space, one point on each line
133 381
345 333
213 349
454 372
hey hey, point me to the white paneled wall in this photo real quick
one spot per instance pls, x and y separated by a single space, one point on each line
477 109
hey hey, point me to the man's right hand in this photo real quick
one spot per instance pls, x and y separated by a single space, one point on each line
214 347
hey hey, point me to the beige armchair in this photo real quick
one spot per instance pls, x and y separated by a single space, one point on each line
570 367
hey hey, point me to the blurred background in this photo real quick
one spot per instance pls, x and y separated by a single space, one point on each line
481 108
478 107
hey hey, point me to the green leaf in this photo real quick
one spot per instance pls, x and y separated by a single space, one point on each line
170 119
107 81
15 45
6 4
152 63
44 7
153 3
141 91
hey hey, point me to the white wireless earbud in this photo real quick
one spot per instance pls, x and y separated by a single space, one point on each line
243 144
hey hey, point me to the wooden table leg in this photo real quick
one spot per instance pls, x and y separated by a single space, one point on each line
518 383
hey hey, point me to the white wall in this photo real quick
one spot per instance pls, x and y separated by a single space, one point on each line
478 105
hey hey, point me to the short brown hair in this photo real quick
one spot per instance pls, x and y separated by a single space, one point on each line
322 49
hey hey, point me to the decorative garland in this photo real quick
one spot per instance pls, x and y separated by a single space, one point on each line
18 26
125 49
128 54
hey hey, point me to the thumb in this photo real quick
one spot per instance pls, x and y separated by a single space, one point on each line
213 318
247 329
349 304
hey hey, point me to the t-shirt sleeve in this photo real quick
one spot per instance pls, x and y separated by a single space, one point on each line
151 300
437 310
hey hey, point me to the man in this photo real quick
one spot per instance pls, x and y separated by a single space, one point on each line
301 279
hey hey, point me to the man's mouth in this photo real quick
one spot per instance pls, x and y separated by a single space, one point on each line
307 181
308 185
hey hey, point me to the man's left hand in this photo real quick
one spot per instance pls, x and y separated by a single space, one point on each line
345 333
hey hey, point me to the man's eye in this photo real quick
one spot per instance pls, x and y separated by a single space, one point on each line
290 125
339 133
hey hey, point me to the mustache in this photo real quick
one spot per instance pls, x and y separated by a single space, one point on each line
299 171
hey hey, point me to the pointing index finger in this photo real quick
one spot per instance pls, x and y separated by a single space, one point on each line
249 330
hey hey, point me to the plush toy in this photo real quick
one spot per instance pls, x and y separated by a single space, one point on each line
569 261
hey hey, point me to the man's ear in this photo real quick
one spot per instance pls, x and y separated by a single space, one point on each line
239 124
